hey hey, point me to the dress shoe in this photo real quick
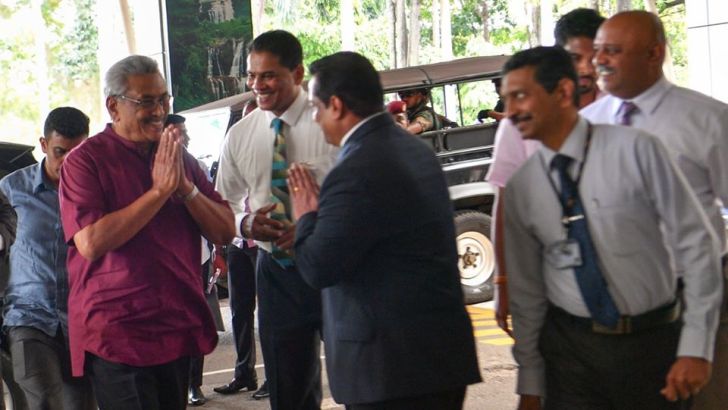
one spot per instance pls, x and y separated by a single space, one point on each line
235 386
262 393
195 396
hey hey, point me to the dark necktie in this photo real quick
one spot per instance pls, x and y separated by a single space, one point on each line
589 277
279 190
625 112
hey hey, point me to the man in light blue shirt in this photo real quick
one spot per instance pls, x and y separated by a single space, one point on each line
36 313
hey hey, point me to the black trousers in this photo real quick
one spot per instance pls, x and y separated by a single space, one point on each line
197 365
590 371
447 400
289 316
42 368
241 288
122 387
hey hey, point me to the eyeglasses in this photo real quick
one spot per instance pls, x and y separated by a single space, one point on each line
405 94
148 103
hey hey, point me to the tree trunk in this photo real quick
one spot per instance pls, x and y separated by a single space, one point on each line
624 5
436 24
400 24
534 13
413 56
347 25
446 30
258 10
128 26
651 6
546 22
483 8
446 27
392 34
41 59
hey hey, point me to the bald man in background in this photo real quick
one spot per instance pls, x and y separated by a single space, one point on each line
630 51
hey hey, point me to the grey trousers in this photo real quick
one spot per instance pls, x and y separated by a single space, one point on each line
41 365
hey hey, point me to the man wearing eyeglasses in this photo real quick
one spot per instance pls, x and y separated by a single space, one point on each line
133 207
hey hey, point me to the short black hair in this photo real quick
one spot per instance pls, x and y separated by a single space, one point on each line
352 78
174 119
551 65
69 122
281 44
579 22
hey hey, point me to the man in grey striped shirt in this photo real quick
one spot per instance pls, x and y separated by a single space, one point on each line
635 209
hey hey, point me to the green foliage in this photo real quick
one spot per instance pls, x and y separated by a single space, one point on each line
315 23
373 38
371 9
80 44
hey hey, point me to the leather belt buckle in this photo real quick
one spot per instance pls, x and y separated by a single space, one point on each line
623 327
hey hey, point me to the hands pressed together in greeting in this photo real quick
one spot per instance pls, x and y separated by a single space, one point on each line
303 190
168 174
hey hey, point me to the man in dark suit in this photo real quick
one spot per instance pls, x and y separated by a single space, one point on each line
380 242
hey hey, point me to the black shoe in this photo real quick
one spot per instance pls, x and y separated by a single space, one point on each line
195 396
235 386
262 393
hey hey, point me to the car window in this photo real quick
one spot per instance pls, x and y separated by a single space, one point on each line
463 104
476 96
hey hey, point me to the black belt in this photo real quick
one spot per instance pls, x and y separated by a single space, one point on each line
626 324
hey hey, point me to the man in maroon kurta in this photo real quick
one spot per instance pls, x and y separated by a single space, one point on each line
133 207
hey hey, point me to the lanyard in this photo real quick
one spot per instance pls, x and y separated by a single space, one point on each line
567 219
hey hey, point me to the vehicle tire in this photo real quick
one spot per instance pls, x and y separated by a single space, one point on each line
14 398
476 255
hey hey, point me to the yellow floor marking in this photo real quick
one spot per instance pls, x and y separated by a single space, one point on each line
480 323
488 332
486 329
503 341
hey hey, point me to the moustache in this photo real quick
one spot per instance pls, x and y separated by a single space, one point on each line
515 119
604 70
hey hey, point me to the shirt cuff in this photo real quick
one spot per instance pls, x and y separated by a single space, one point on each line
696 343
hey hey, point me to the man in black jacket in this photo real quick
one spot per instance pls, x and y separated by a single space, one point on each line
380 243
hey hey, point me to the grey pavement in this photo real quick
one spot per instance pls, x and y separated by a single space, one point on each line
494 393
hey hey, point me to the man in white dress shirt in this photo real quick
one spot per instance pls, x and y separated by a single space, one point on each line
630 50
289 311
592 219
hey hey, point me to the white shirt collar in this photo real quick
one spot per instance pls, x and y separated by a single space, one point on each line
648 101
293 113
356 127
573 146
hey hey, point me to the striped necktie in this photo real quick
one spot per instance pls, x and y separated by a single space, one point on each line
279 190
625 112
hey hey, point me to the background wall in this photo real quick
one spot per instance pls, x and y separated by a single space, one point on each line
707 26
